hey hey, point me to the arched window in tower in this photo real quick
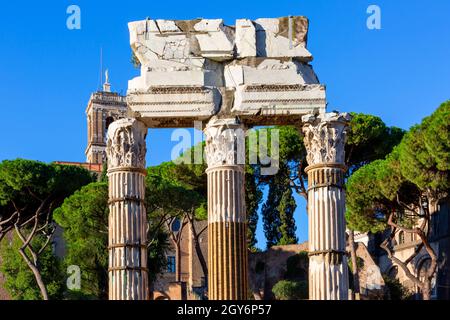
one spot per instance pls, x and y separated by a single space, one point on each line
108 121
401 237
176 225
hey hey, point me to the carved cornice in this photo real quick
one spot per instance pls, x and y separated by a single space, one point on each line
286 101
325 136
126 144
282 88
171 90
156 103
225 142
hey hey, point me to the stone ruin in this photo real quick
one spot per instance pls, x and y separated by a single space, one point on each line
231 78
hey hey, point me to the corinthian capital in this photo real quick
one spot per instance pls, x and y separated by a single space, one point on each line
225 142
126 144
325 136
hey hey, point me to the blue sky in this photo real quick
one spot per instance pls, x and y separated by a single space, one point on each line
47 72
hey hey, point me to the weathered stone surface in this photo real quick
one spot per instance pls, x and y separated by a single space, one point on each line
274 87
225 142
282 37
242 60
126 144
127 236
324 139
227 248
200 70
245 38
216 41
278 102
185 103
172 40
268 71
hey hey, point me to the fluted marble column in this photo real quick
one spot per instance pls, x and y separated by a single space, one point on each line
128 275
324 139
227 245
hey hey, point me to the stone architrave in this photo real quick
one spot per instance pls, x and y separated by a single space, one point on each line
191 69
227 246
324 139
126 149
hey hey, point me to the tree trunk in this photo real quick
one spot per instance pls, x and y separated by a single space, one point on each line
426 290
355 271
37 275
198 249
201 258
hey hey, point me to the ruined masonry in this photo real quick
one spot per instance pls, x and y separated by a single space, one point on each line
231 78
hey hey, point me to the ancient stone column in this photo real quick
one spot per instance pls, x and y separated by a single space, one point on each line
128 275
227 245
324 139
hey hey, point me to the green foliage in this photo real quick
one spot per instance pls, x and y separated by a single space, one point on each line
193 177
279 206
365 208
425 152
278 210
270 214
25 183
369 139
253 197
187 172
389 177
169 194
410 171
104 174
290 290
416 161
395 289
35 189
19 279
84 218
359 262
286 208
297 266
157 261
291 146
437 136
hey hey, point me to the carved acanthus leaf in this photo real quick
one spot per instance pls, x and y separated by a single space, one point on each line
225 142
325 136
126 144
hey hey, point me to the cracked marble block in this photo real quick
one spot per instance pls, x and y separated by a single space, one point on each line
194 69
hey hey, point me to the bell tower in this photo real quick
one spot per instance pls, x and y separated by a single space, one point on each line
104 107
